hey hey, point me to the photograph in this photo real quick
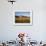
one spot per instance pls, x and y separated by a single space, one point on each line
22 17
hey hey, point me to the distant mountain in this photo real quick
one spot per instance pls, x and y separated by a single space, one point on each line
21 16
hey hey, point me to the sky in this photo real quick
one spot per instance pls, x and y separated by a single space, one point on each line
22 13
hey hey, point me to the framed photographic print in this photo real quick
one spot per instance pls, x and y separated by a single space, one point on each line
23 17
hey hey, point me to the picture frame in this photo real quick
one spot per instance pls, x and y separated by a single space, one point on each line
23 17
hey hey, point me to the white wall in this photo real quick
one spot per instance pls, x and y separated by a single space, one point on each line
9 31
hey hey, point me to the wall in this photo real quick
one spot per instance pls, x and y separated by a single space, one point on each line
9 31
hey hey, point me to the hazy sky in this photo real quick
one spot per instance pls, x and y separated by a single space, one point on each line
22 13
